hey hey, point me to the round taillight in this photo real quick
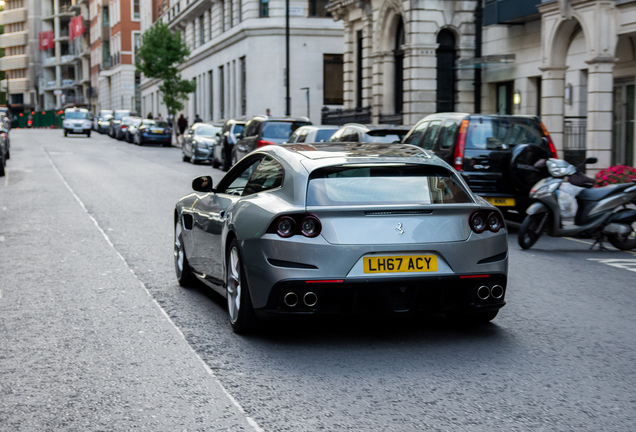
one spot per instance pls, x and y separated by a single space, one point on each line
495 222
285 226
478 222
310 226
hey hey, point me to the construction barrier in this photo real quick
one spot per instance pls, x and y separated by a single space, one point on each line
41 119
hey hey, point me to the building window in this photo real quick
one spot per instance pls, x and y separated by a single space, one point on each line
221 92
359 41
264 8
317 8
105 16
222 4
333 79
136 10
243 73
201 30
504 98
446 77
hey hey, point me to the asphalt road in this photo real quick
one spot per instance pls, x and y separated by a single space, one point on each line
95 333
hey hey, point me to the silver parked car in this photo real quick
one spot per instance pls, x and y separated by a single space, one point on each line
312 134
309 229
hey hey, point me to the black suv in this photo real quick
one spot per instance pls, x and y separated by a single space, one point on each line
260 131
494 153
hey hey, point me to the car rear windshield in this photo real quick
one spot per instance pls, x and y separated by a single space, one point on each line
121 114
207 131
385 136
384 185
495 133
324 134
76 115
280 129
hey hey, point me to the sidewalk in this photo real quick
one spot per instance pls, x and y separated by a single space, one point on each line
84 346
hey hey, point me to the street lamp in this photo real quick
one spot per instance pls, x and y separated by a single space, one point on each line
287 97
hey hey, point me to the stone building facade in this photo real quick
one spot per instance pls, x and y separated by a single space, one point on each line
572 62
238 58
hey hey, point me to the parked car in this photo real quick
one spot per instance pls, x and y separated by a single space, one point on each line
122 127
153 131
198 141
304 230
5 149
261 131
114 122
223 148
355 132
312 134
76 121
101 115
103 123
131 130
495 154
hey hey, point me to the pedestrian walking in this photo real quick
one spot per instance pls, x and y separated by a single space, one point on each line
150 116
197 119
182 124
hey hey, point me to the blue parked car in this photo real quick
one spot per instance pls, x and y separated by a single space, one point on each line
153 131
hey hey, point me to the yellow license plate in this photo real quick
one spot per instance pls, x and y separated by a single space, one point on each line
501 202
400 264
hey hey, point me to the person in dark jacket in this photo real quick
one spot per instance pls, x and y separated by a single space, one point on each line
197 119
182 124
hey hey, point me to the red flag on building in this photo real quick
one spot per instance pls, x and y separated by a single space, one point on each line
46 39
76 27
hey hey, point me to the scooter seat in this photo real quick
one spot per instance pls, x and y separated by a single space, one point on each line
597 194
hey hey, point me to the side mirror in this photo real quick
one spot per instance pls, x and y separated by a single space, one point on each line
202 184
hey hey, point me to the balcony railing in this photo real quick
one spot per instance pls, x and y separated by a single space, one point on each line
339 117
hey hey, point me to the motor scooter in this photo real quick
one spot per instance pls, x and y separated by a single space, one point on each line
607 212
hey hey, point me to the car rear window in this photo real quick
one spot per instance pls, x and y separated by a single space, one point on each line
495 133
383 136
280 130
384 185
207 131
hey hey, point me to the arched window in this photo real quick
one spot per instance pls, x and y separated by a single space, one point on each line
446 76
398 84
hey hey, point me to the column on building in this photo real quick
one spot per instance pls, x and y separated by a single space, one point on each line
600 110
553 90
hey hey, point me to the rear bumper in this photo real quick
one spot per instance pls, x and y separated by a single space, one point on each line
388 296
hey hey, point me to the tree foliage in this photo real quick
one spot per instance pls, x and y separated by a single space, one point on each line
159 57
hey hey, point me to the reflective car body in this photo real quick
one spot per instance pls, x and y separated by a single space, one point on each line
355 132
115 120
224 147
77 121
103 123
198 142
262 131
100 117
297 230
312 134
131 130
153 132
5 149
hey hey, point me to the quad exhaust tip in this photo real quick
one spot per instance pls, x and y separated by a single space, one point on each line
497 292
483 292
291 299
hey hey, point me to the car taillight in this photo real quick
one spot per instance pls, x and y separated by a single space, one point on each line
546 134
290 225
481 221
310 226
458 156
285 226
262 143
166 131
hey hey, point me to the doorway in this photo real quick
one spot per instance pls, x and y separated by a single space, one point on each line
623 123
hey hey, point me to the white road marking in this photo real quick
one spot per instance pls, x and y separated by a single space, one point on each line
621 263
1 238
234 402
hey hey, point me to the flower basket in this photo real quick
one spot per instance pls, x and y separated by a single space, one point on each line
614 175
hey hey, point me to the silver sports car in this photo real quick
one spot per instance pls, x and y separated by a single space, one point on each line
298 230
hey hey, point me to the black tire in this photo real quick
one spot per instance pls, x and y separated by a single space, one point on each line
530 230
215 163
65 133
88 135
3 162
239 302
184 157
185 277
522 173
624 242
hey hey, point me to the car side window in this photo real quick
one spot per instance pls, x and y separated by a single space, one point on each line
449 134
430 137
336 136
302 136
239 177
267 175
415 137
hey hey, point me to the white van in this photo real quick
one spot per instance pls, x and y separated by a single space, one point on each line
77 121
